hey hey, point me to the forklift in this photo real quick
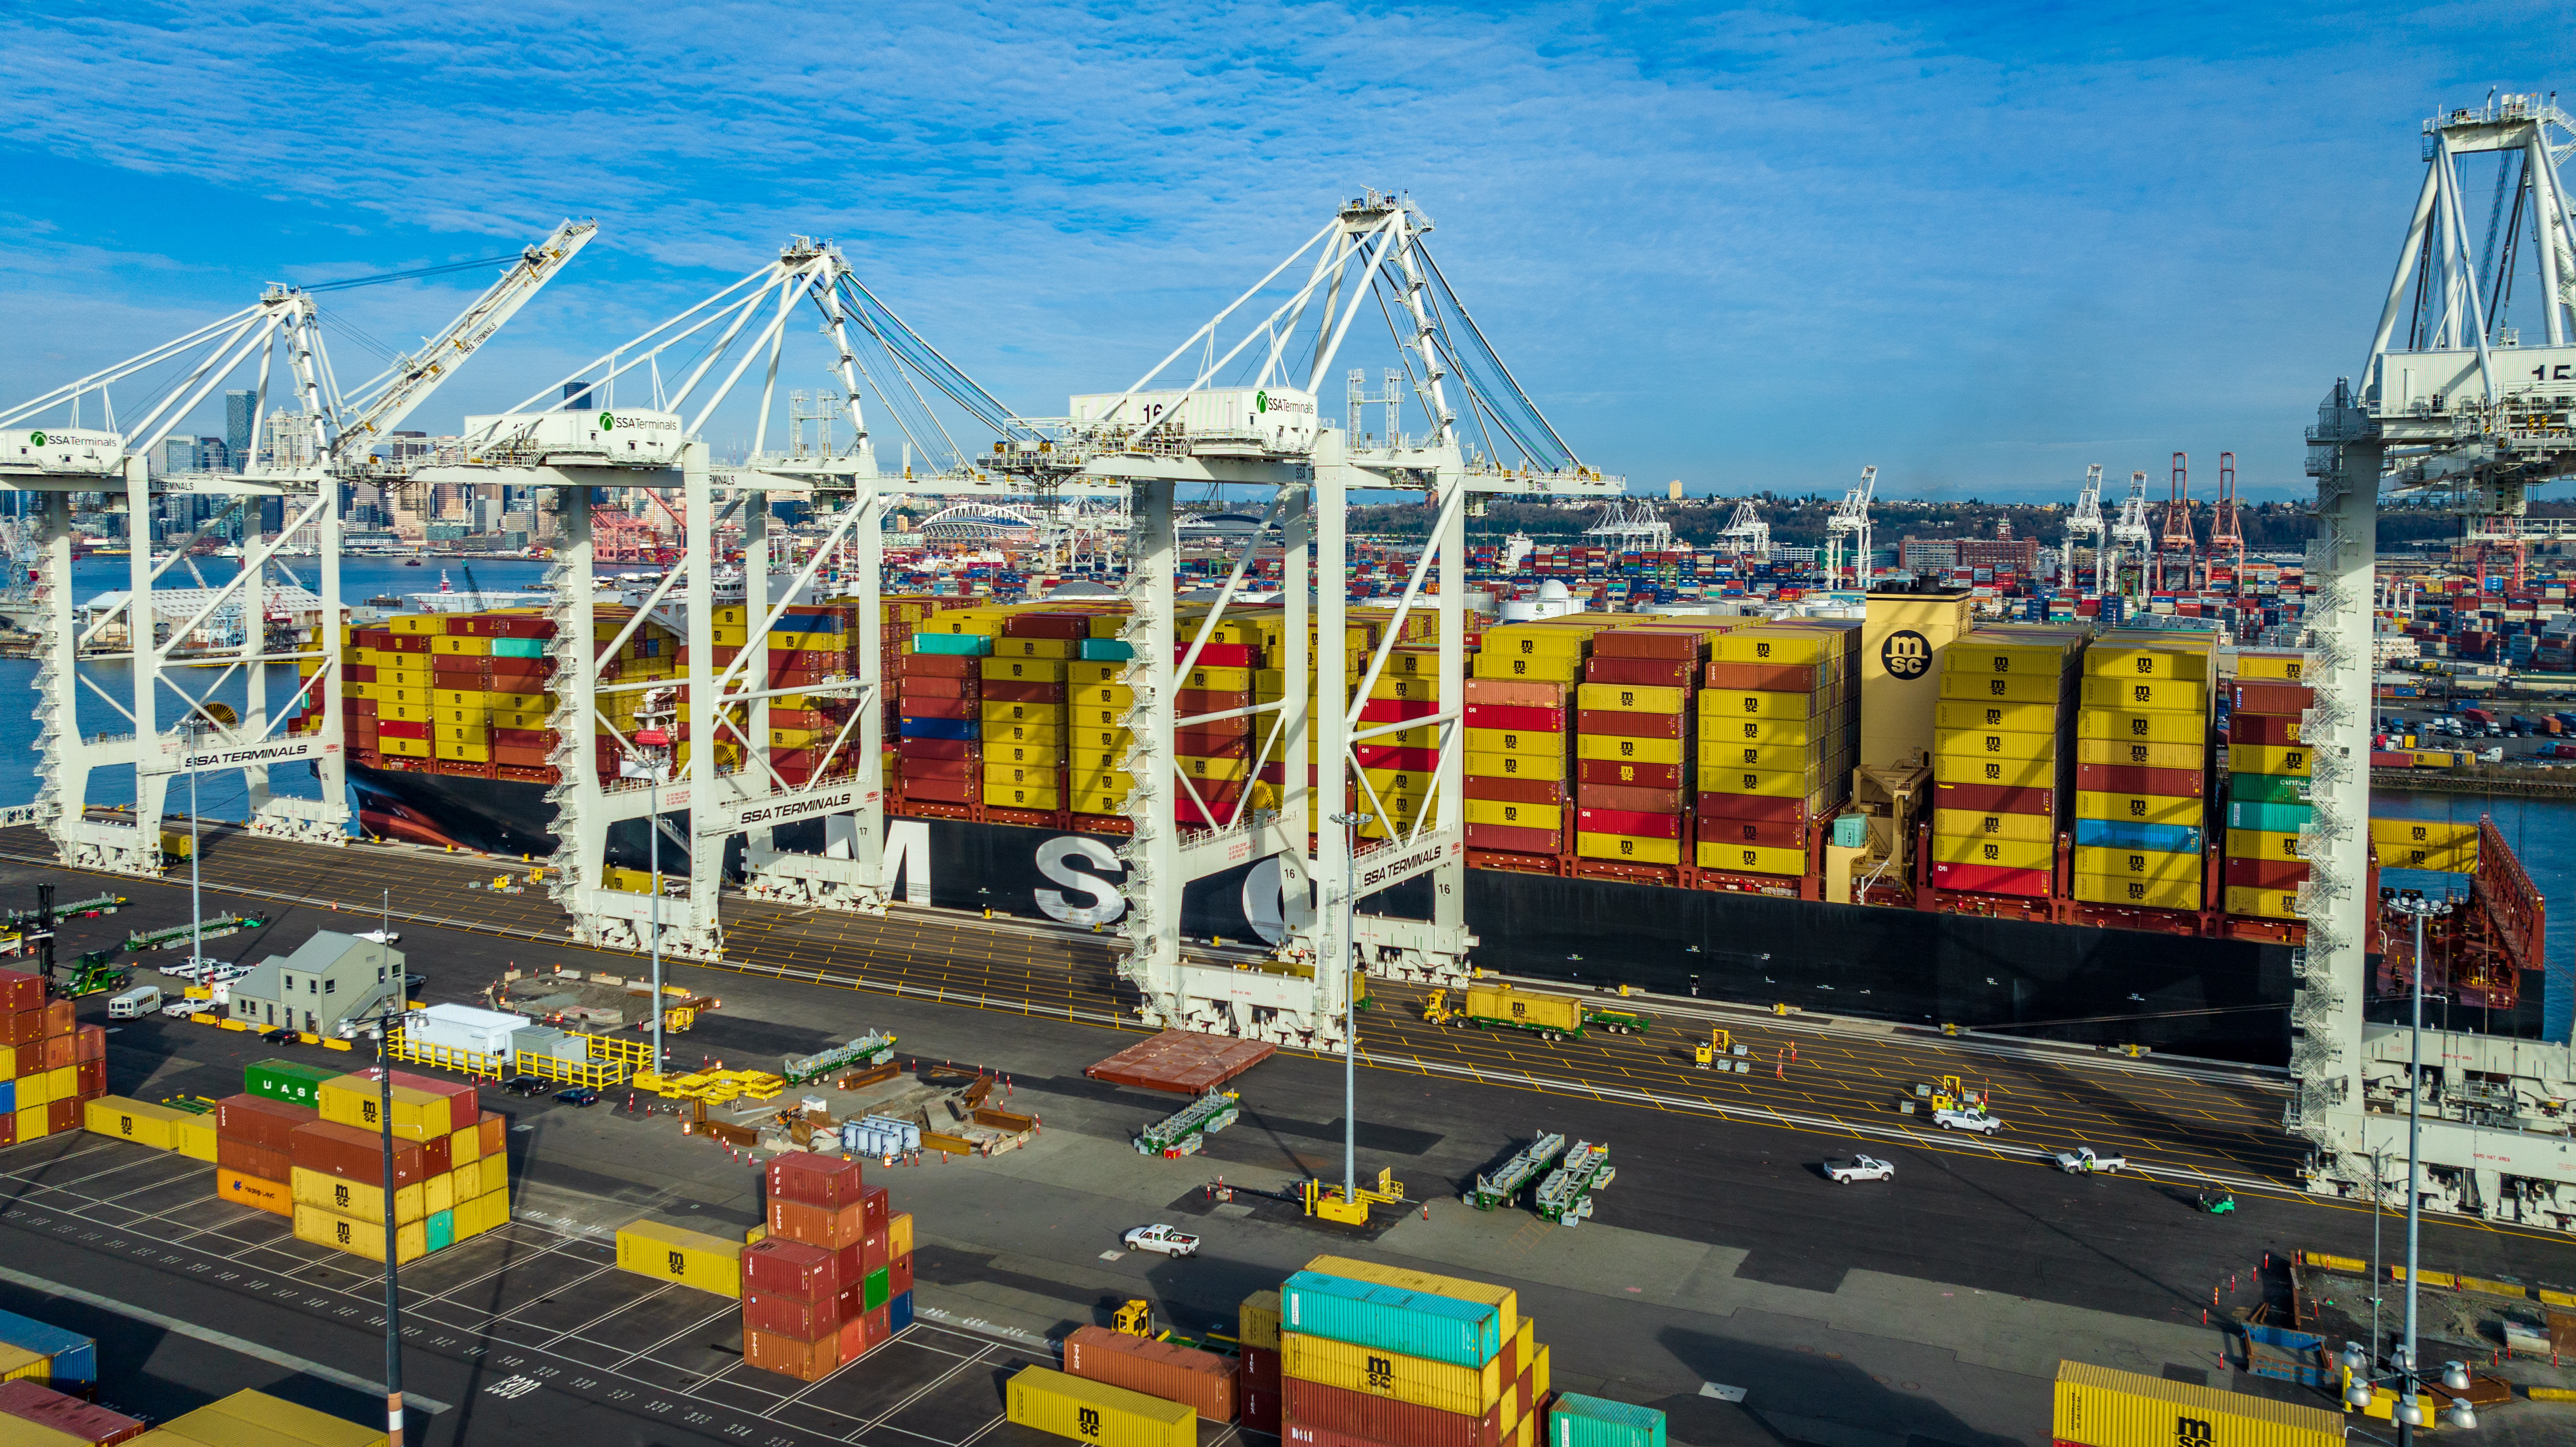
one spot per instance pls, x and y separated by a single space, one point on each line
91 974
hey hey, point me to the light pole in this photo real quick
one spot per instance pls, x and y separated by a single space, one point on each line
653 748
196 908
393 1011
1350 1008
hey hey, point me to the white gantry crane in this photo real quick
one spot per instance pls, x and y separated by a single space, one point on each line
2086 522
179 647
1632 525
2470 405
2130 533
1747 534
1851 520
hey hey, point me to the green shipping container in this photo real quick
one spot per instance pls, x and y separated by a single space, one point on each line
439 1227
1107 650
1580 1421
288 1080
2269 818
875 1294
518 647
2268 788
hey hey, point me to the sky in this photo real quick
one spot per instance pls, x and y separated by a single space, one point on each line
1978 247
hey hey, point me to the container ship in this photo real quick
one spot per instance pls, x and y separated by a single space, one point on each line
2064 828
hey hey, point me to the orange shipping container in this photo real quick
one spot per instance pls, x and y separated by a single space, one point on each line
1201 1381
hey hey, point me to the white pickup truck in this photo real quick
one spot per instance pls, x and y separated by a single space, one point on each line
1843 1170
1975 1120
1162 1239
2085 1161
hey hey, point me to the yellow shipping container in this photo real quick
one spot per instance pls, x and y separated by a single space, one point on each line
2027 718
358 1200
461 644
1515 741
1760 644
1517 816
1979 655
1800 757
1027 731
1771 783
1525 1007
1750 858
1560 668
1969 824
2153 865
1983 745
1550 766
1619 748
2016 688
2452 859
2003 853
673 1253
1034 648
2263 903
2010 773
1023 669
463 753
2153 756
1532 640
1719 729
2101 1407
1222 770
2144 893
2138 808
2109 660
2147 695
2281 667
1051 714
352 1100
359 1238
193 1136
1751 703
31 1123
466 1178
2141 728
1441 1386
2269 758
1096 1412
1097 801
133 1120
1628 848
1025 755
1007 796
1501 1298
1256 1322
255 1419
2263 844
1631 697
35 1088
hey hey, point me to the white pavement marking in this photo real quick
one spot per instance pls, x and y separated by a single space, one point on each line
226 1340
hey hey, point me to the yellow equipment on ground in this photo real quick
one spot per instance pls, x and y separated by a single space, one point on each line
1436 1011
1133 1318
1326 1201
1950 1094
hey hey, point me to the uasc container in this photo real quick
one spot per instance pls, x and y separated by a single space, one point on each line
1068 1406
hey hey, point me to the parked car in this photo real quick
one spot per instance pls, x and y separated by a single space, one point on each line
1843 1170
183 1008
1975 1120
1163 1240
2085 1161
280 1036
578 1095
525 1085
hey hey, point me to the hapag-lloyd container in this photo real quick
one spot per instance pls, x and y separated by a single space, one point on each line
1575 1420
1352 1269
1096 1412
1397 1424
1203 1380
1365 1313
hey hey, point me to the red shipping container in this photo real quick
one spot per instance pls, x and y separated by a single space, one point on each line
20 991
1622 796
251 1160
1762 833
1617 723
1994 799
2266 873
785 1355
1389 756
944 791
1313 1407
1658 672
1216 655
879 1211
859 1335
1684 645
787 1316
8 1128
809 1179
926 687
1196 1379
1515 791
2273 730
62 1115
1222 738
815 1225
1991 879
899 1275
999 691
1383 710
89 1078
89 1042
1261 1411
909 749
1511 839
260 1121
2139 779
1047 625
352 1154
59 1019
395 729
1630 775
1191 702
938 665
1517 718
58 1051
871 1253
916 705
76 1420
1628 822
1754 806
438 1155
22 1027
1259 1370
1762 677
2273 698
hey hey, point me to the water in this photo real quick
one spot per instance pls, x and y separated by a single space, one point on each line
2543 835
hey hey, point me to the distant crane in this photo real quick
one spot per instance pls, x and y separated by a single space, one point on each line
1748 534
2178 534
2131 532
2226 530
1851 519
1632 525
2087 523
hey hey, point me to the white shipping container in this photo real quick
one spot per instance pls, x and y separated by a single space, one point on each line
462 1027
623 436
1281 419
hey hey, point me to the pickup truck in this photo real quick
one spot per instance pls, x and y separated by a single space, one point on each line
1162 1239
1975 1120
2085 1161
1843 1170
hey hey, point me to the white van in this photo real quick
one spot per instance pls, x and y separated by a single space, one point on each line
136 1003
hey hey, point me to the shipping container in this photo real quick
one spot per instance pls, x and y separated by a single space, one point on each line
1364 1313
673 1253
1257 1320
791 1269
358 1238
247 1417
272 1196
71 1357
1442 1386
806 1361
1067 1406
290 1081
1353 1269
2103 1407
1575 1420
132 1120
1397 1424
25 1404
1202 1381
261 1120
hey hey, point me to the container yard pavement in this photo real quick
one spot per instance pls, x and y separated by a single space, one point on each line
1935 1306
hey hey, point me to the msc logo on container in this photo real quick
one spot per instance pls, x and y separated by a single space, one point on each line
679 1264
340 1196
2190 1432
1381 1370
1905 654
1086 1420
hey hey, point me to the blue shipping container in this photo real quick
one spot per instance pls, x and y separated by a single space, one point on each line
2121 834
1580 1421
1365 1314
899 1312
75 1356
942 728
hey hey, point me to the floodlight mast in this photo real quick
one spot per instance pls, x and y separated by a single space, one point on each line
306 439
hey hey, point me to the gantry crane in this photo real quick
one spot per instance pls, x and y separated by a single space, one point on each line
2178 537
2086 522
1851 520
2226 529
2130 533
1748 534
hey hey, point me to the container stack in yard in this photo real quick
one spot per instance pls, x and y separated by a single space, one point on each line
50 1065
1371 1354
2104 1407
35 1415
47 1355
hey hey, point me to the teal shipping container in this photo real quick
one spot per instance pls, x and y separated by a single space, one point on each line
2268 788
1107 650
1580 1421
439 1227
2270 818
1414 1323
519 647
963 645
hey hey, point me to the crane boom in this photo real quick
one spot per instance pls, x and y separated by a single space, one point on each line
1851 518
415 376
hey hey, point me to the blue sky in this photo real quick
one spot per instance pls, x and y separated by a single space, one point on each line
1755 248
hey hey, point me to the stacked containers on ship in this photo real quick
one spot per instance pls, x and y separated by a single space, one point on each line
1024 712
652 658
2002 745
394 704
2267 786
1270 686
451 1180
832 1279
1097 736
1633 743
1375 1356
1777 730
1398 765
809 644
898 619
2142 768
1520 735
1214 755
488 701
939 726
50 1065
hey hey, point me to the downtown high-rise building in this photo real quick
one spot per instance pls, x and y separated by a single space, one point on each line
240 410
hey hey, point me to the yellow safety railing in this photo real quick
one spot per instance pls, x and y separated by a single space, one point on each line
611 1062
